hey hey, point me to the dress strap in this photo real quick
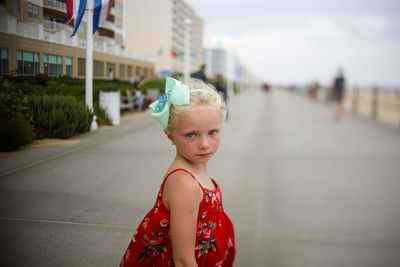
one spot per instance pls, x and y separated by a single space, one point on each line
166 177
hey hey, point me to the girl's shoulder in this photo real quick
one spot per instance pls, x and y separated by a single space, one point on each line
180 185
180 180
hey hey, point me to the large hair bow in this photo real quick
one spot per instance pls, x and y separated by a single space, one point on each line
176 93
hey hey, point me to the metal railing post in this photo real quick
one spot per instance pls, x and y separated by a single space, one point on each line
375 96
355 99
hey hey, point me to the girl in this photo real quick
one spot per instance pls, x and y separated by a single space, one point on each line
187 225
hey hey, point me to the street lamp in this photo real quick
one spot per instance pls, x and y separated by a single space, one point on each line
186 72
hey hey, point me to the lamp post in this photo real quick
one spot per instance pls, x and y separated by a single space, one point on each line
186 72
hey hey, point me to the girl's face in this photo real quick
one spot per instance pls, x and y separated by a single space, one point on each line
196 134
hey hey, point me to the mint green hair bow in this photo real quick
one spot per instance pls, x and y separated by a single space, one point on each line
176 93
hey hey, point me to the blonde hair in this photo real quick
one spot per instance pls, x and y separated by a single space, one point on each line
197 98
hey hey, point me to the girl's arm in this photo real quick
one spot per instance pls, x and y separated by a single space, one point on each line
182 196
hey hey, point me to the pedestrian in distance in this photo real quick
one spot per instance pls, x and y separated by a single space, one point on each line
200 74
220 86
110 74
339 86
187 225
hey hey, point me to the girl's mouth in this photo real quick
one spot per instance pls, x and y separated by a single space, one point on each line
203 154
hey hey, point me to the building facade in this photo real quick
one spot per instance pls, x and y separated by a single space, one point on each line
35 38
216 62
157 27
223 62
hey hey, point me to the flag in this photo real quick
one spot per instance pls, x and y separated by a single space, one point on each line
173 53
101 11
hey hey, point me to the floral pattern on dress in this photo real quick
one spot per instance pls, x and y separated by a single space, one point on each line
208 242
155 246
214 198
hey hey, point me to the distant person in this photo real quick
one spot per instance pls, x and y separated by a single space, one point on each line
220 85
313 90
200 74
187 226
138 98
110 74
140 83
339 86
131 80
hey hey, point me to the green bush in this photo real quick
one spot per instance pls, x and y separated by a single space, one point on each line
155 83
14 131
14 99
236 88
101 116
59 116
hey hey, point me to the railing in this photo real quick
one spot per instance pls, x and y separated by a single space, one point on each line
56 26
108 25
376 103
28 30
55 4
372 102
105 39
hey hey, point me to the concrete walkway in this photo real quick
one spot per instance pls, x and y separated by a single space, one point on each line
301 189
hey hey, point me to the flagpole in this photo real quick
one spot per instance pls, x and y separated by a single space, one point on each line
89 60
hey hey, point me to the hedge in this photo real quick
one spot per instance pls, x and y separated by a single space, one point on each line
59 116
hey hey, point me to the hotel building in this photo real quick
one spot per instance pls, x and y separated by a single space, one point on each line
35 38
157 27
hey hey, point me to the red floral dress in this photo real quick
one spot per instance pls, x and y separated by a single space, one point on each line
215 240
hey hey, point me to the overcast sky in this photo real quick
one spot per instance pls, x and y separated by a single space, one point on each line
299 41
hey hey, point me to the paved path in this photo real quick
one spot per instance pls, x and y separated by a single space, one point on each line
301 189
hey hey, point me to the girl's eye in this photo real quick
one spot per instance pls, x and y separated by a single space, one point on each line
190 135
213 132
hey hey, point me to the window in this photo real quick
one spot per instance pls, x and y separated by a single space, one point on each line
68 66
121 70
53 65
33 11
137 72
118 23
17 6
145 72
4 61
129 71
118 38
81 67
28 63
98 68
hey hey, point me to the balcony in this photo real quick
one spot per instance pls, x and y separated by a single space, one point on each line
53 26
54 4
107 25
106 40
60 33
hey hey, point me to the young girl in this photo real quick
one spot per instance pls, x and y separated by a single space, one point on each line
187 225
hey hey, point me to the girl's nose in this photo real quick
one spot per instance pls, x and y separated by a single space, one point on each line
203 142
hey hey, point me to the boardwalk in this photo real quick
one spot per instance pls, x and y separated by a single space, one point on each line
301 189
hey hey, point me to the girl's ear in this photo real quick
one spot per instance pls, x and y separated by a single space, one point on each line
169 136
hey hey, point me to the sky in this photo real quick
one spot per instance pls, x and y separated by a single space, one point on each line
300 41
